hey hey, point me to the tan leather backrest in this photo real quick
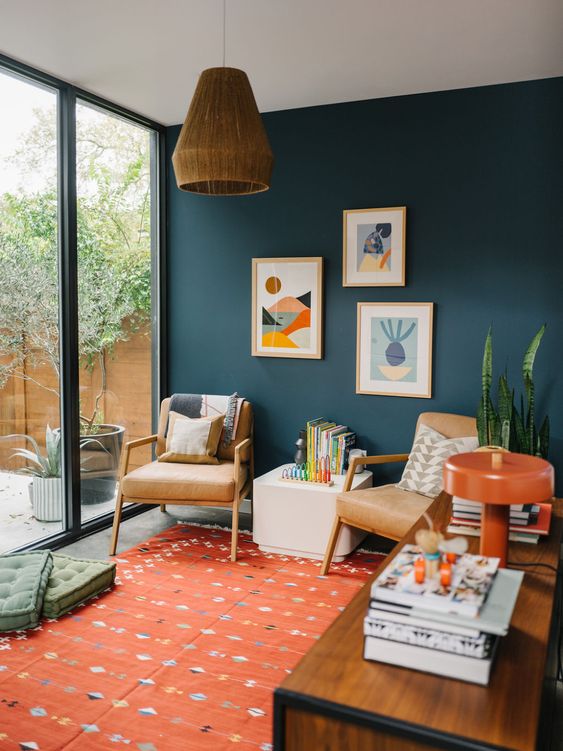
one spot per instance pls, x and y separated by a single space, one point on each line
227 453
451 426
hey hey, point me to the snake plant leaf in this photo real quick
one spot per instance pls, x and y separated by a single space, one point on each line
520 432
543 438
505 412
486 382
530 417
482 427
530 355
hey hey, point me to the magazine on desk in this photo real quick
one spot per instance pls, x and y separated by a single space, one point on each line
471 581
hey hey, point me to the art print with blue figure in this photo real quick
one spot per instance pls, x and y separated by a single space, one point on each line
394 349
373 247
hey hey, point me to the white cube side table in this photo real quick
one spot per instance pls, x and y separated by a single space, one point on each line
296 519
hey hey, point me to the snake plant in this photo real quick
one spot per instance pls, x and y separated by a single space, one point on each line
505 425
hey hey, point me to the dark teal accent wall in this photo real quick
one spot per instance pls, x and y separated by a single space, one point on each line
481 173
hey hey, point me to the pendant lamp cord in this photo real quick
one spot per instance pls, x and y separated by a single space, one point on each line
224 29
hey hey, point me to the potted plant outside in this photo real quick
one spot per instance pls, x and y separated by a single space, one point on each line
45 490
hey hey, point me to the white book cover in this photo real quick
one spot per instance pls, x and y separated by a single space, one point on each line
377 613
496 613
429 660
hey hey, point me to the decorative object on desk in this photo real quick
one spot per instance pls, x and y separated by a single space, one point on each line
374 247
498 480
504 425
301 444
287 296
433 545
358 452
394 349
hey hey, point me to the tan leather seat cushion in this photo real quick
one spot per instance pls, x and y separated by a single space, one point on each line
386 510
164 481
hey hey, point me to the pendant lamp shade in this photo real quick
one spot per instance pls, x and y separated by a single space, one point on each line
223 148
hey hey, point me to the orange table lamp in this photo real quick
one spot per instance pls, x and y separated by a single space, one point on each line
498 479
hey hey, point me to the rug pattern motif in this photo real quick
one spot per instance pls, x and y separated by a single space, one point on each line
184 653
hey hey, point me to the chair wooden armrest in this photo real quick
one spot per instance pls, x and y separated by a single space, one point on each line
128 447
242 445
377 459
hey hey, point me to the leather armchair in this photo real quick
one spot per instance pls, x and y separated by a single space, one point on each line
387 510
162 483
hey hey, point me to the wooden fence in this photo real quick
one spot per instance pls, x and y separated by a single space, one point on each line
27 408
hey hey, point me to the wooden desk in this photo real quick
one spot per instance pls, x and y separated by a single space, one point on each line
337 701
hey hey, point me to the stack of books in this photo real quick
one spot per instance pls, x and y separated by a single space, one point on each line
451 630
327 440
528 522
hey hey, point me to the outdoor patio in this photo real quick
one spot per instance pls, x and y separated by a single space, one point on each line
17 522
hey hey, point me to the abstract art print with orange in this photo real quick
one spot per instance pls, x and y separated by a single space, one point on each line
374 247
287 307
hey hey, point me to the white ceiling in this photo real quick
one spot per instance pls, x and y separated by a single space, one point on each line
147 54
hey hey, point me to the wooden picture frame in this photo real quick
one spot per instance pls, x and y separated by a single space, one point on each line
394 349
374 247
287 307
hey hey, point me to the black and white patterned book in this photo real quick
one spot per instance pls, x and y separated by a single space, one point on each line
477 647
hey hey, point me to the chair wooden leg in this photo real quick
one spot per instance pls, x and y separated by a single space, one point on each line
163 508
116 523
333 539
234 535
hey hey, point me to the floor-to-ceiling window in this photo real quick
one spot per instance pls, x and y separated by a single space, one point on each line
79 302
114 297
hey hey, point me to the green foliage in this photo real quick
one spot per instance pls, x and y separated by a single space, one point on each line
49 465
113 245
39 465
505 425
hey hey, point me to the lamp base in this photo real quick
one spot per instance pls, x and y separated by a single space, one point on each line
494 532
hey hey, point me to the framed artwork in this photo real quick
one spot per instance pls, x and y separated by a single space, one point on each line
287 299
374 247
394 349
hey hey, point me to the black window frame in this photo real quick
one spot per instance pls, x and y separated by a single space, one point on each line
67 95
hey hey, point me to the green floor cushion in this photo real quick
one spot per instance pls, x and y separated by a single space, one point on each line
23 582
73 581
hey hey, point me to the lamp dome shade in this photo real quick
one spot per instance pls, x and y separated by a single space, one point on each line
516 478
223 148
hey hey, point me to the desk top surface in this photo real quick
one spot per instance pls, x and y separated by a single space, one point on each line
506 713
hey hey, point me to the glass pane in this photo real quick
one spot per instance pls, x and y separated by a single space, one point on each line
114 298
31 500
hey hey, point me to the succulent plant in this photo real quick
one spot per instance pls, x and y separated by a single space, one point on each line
48 465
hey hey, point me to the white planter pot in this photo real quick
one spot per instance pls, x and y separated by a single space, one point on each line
45 494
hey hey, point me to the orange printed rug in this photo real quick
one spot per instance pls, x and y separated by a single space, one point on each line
183 653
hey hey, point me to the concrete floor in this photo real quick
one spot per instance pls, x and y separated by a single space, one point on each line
139 528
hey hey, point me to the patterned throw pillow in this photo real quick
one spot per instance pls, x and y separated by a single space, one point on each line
423 472
192 440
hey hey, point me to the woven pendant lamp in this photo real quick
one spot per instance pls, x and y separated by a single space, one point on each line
223 149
